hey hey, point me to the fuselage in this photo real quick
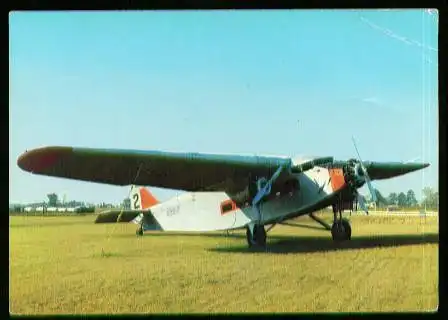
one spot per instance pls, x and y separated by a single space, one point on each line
207 211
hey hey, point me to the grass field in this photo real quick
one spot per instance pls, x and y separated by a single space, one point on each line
66 265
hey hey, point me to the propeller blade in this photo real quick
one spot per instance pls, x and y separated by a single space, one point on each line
371 189
354 144
366 175
260 194
362 204
267 187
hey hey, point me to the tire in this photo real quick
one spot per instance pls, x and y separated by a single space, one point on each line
348 229
249 238
259 237
341 230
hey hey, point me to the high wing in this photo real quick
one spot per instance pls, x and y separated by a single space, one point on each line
174 170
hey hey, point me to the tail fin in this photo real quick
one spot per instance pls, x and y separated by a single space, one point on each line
142 199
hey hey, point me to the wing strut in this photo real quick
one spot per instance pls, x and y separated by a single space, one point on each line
320 221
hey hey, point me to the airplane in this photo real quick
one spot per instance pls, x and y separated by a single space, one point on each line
225 192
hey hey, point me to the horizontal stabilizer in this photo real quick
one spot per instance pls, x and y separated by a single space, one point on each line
113 216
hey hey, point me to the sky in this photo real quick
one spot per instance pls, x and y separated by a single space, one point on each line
284 82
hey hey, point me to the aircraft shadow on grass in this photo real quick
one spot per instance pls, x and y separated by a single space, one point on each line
308 244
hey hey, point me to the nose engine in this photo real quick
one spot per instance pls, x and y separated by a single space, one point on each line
354 174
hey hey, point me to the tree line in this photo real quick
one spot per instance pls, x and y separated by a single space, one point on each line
430 199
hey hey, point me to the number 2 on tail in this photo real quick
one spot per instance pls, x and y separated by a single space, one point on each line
136 204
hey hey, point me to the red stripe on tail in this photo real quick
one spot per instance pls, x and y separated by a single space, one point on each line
148 200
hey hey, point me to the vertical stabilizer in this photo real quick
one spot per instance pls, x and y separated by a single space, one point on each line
142 199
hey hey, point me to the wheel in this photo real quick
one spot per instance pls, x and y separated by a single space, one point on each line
250 241
259 237
348 229
341 230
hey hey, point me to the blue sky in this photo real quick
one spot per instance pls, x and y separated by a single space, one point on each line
276 82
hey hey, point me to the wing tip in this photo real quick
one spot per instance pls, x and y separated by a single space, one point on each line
38 159
417 166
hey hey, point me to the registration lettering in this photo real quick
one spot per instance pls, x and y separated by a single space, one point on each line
171 211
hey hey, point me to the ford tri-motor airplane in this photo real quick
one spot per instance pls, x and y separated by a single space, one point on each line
224 191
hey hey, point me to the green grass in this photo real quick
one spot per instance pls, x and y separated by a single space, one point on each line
65 265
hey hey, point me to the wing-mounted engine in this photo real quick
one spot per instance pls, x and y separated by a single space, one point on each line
283 181
281 187
285 186
276 181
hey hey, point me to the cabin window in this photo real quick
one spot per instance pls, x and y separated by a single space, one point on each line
226 207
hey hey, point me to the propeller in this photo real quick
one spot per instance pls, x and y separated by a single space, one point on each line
365 174
360 175
264 190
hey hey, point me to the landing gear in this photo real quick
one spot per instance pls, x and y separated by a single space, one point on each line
340 230
256 238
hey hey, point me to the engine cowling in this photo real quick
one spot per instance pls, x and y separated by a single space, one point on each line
353 174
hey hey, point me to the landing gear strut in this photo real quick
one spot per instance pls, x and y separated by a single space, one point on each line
340 230
256 237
